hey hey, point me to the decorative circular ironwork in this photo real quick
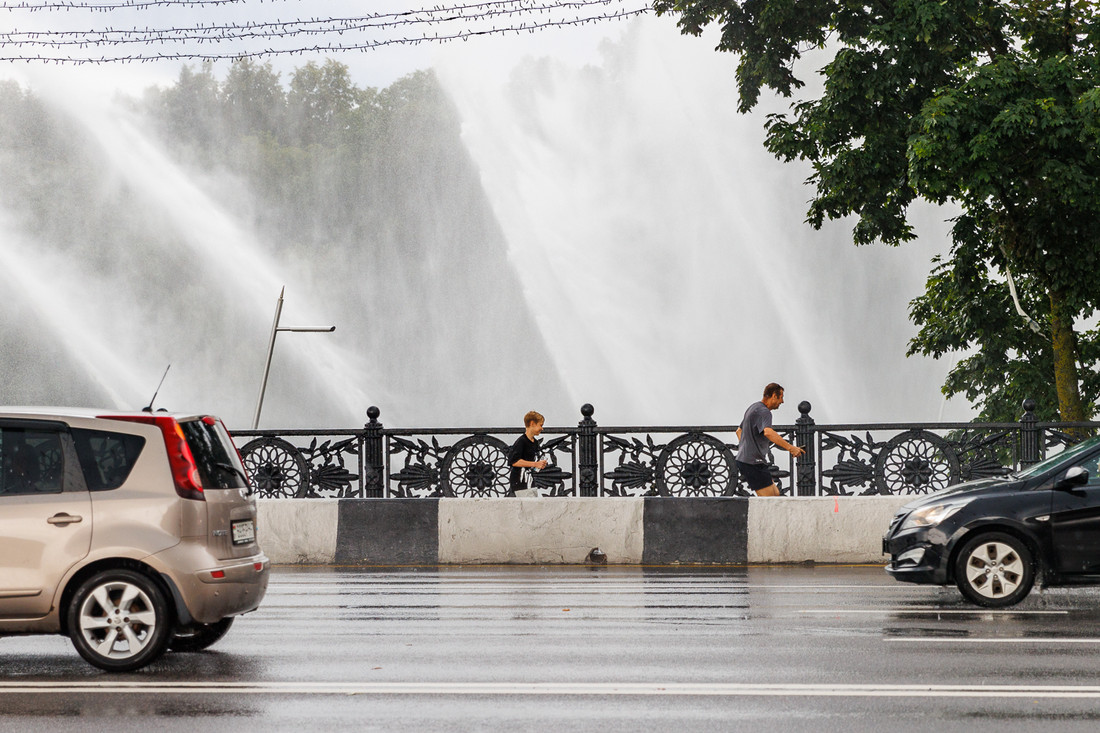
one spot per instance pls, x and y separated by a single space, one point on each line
476 467
915 462
696 464
276 468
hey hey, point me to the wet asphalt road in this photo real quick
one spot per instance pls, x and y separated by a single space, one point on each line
577 649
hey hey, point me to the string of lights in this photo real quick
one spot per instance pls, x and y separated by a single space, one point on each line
205 41
276 29
125 5
143 4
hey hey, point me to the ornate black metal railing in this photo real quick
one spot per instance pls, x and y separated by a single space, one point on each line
592 460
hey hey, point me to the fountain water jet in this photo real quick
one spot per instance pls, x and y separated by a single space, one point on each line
663 249
223 267
28 277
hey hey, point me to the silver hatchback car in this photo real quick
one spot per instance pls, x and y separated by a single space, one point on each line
131 533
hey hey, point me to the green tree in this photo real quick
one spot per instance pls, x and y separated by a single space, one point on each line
322 100
254 101
190 111
992 106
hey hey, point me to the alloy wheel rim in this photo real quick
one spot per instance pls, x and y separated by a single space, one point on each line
994 569
117 620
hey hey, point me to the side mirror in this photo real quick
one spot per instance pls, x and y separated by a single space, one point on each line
1075 476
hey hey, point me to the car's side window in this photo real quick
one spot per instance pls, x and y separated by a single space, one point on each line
1092 465
31 461
106 458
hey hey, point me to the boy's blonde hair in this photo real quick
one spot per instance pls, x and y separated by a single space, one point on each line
532 418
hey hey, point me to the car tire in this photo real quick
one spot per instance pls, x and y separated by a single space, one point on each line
119 620
196 637
995 570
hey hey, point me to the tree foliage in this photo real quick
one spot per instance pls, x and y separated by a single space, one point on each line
991 106
319 149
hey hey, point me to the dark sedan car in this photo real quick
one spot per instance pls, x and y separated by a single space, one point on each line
994 537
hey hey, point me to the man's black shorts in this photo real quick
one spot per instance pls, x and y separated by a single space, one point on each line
756 475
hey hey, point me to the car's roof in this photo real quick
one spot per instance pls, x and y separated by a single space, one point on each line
51 411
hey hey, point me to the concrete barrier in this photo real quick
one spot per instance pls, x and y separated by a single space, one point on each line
653 530
555 531
696 530
388 532
299 531
844 529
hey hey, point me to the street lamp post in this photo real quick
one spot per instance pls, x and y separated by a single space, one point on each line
275 329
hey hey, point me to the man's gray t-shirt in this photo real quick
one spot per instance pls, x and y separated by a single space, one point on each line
754 446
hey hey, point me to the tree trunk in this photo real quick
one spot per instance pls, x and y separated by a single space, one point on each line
1064 342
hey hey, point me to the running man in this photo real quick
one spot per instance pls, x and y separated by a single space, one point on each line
756 446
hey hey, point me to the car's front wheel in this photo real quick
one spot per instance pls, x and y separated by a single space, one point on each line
995 569
119 620
197 637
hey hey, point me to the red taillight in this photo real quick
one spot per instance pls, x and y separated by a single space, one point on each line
217 573
185 473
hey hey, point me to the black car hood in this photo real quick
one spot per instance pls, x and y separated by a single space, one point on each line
979 487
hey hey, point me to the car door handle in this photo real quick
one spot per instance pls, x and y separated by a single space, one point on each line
64 518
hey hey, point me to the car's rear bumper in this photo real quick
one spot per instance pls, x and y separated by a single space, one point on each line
211 589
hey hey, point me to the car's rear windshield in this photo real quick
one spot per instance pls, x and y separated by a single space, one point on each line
106 458
217 460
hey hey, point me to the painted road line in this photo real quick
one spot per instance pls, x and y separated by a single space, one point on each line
553 688
924 611
988 640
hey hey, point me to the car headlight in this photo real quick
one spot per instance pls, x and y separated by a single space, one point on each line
930 516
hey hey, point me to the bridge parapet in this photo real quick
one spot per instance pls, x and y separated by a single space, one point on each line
590 460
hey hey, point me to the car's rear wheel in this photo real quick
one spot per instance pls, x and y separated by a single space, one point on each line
995 569
197 637
119 620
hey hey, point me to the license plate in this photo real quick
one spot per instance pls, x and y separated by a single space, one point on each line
244 531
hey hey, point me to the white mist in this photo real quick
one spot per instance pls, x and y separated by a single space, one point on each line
663 250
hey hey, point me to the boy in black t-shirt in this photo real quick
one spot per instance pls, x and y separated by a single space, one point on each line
524 452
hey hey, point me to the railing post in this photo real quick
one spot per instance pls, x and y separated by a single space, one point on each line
374 468
588 454
806 464
1030 437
